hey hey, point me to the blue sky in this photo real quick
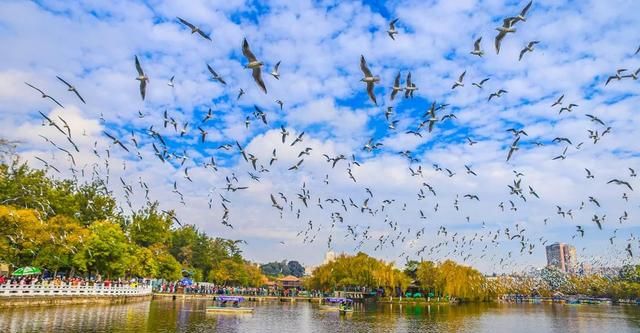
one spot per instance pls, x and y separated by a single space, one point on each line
92 45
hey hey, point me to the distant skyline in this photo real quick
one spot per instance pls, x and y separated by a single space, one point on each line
92 46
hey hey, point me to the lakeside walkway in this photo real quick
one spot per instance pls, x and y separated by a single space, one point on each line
12 295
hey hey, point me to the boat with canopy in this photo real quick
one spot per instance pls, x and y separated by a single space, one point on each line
343 305
228 304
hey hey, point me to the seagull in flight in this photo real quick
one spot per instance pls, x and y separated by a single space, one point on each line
459 82
410 88
528 48
142 78
523 13
283 132
396 87
497 94
513 148
71 88
617 76
274 72
44 95
392 29
253 64
479 84
369 79
477 49
558 101
620 182
216 76
595 119
194 29
503 31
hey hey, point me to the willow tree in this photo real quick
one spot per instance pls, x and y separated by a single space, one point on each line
357 271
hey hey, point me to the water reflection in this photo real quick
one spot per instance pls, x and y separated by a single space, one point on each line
190 316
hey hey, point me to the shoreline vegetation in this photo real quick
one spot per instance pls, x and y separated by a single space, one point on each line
79 229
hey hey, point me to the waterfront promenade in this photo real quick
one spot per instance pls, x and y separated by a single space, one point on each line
38 294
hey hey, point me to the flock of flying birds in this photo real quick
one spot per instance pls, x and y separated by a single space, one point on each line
341 210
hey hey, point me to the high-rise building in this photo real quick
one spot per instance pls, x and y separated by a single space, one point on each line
562 256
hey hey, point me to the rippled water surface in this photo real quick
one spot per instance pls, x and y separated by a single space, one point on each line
189 316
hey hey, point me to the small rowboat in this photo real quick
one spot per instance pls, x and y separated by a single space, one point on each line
228 304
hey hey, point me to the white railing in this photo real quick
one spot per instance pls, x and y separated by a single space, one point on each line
66 290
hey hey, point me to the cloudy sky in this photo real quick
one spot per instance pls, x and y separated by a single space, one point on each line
92 44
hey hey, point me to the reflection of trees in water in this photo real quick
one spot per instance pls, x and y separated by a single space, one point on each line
187 315
75 318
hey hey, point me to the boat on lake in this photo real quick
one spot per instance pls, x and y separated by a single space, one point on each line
339 304
228 304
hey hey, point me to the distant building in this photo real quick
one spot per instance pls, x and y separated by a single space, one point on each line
329 257
289 282
562 256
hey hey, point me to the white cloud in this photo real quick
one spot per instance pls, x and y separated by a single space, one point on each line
92 45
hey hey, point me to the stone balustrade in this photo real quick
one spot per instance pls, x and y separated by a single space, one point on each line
13 290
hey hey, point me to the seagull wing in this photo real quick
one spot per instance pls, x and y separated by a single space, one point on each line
257 76
526 9
499 38
364 68
138 67
370 92
522 52
63 81
32 86
53 99
186 23
246 51
476 45
205 36
143 88
80 97
392 24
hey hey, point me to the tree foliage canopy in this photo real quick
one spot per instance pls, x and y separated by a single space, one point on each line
61 225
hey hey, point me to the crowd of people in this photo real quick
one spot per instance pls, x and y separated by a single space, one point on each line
204 288
70 281
159 286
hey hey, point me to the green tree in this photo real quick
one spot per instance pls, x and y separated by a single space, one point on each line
148 226
106 251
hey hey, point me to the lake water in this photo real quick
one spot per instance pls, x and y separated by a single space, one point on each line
189 316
